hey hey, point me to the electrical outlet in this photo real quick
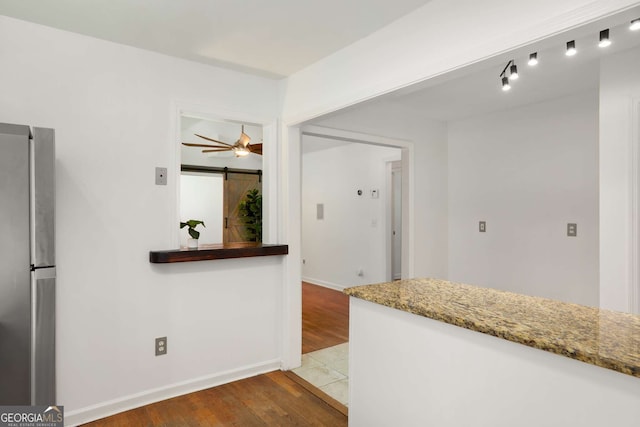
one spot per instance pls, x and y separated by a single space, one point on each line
161 176
572 230
161 346
482 227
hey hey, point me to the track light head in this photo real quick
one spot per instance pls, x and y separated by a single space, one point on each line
604 38
513 72
505 84
635 25
533 59
571 48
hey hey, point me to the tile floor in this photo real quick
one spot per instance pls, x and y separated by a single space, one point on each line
328 369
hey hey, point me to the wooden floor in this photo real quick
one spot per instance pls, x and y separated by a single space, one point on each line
325 317
266 400
271 399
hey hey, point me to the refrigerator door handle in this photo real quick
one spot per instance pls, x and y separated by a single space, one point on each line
43 346
43 197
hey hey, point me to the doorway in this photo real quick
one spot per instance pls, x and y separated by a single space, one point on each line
345 223
395 215
345 214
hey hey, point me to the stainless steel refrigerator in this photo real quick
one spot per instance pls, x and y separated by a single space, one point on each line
27 266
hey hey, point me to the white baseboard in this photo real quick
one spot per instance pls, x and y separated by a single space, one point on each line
324 283
105 409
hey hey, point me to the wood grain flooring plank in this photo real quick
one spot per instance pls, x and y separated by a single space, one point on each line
270 399
325 317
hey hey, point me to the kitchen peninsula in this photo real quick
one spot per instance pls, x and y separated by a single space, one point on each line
432 352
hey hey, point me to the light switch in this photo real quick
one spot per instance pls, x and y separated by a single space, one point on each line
482 226
572 229
320 211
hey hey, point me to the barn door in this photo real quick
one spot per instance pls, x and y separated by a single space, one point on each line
236 186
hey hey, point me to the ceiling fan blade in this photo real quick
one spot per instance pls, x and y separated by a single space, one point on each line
189 144
212 140
217 150
256 148
244 140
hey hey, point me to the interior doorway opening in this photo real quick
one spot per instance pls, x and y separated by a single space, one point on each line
346 207
347 235
394 209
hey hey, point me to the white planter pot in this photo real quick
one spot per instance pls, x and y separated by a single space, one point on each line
192 243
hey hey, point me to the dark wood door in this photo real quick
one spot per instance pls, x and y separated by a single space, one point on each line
236 186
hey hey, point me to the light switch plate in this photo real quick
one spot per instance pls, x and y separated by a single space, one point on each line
572 229
161 176
320 211
482 226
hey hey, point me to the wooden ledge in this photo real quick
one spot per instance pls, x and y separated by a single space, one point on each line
220 251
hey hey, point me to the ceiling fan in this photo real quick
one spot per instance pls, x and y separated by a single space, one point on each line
241 148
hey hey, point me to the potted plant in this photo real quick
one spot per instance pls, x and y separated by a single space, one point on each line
251 214
195 234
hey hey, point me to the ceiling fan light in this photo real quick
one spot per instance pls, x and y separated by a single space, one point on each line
533 59
604 38
505 84
635 25
241 151
571 48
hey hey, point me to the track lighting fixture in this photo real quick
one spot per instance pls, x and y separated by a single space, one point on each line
513 72
510 71
604 38
505 84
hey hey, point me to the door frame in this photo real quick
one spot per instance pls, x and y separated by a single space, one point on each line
634 253
291 221
391 166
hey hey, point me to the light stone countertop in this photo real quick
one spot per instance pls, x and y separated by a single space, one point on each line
600 337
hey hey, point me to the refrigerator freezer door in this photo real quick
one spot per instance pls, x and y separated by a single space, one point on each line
15 305
43 382
43 198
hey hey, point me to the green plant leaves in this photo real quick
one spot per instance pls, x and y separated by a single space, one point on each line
192 224
251 213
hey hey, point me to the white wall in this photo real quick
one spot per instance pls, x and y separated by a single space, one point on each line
201 198
619 102
527 172
113 108
429 208
352 234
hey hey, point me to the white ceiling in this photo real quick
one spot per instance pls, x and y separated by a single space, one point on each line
272 38
476 89
312 144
